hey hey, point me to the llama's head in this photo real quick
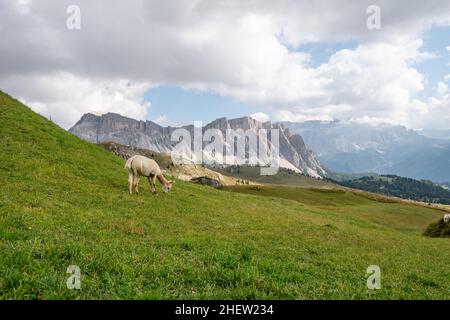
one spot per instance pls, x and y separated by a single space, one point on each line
167 186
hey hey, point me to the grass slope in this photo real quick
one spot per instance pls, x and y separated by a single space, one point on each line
64 201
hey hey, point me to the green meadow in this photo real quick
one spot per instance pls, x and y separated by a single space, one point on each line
65 202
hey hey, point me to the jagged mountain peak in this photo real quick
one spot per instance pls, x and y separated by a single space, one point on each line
149 135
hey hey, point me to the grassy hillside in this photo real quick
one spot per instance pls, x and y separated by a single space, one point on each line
64 201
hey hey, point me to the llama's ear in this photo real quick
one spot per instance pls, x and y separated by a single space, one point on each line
171 182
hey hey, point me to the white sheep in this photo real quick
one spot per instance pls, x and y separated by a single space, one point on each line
141 166
447 218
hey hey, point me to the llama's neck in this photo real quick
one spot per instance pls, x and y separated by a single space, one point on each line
162 179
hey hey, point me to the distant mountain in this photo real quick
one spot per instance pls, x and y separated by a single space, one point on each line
113 127
350 147
406 188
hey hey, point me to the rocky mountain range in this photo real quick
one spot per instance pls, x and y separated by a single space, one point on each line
293 153
350 147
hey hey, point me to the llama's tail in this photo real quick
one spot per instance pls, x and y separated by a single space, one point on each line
128 164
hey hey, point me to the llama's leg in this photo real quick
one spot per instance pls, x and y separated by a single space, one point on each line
130 182
136 184
152 185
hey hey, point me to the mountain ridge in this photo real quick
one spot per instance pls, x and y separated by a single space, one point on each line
149 135
351 147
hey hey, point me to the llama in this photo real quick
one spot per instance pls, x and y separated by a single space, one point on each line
138 166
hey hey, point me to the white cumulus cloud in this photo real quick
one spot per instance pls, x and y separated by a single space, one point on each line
251 51
260 116
66 97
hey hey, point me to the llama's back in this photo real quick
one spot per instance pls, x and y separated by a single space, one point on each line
143 166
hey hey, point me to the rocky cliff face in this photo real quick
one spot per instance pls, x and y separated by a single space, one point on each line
113 127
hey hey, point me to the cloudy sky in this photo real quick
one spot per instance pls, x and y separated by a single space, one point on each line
178 61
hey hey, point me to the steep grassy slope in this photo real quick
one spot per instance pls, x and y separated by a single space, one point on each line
64 201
